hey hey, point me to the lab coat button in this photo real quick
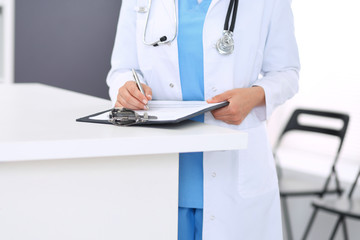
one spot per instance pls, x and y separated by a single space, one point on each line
213 174
171 85
214 89
212 218
141 9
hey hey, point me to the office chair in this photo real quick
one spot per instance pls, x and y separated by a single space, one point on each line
343 207
297 188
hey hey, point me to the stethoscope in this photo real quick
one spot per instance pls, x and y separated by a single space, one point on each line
225 45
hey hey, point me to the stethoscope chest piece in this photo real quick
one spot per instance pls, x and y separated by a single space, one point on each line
225 45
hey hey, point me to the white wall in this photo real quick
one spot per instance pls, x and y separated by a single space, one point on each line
328 36
6 41
1 44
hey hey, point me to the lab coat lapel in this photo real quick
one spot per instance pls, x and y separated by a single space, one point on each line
169 6
212 4
171 51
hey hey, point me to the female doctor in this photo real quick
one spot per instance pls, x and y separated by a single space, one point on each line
178 51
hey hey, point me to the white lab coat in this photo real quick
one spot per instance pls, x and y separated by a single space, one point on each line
241 197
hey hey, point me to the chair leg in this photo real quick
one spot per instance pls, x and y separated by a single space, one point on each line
346 235
287 218
279 171
309 225
340 219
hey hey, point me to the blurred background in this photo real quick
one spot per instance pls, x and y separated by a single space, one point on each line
68 44
65 43
328 36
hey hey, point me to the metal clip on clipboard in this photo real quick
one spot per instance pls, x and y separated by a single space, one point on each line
127 117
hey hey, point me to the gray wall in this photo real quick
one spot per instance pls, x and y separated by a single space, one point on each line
65 43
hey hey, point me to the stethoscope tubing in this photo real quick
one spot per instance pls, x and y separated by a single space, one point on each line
232 10
162 40
221 45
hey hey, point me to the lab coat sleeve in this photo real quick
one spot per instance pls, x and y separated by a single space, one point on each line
124 56
281 65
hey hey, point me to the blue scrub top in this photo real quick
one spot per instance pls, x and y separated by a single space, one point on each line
191 65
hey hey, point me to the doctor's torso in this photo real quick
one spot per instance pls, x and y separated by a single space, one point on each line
159 65
264 43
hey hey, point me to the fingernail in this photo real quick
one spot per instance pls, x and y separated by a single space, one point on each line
146 107
145 101
149 96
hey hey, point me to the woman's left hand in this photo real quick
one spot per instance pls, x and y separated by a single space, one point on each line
241 102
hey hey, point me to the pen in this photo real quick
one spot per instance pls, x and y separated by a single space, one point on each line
138 83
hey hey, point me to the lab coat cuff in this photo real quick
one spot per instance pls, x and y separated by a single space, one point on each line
260 111
263 112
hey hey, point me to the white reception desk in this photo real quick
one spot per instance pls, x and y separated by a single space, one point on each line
60 179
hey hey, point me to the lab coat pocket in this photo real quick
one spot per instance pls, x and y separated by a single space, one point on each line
257 174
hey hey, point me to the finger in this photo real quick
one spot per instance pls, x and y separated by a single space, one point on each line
125 104
219 98
226 114
224 118
126 99
229 120
224 111
132 101
118 104
148 91
233 122
136 93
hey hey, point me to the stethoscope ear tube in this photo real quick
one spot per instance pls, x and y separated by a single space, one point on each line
232 10
163 39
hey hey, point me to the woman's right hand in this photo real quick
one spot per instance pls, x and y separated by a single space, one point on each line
129 96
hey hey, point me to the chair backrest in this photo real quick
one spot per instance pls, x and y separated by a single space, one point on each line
295 124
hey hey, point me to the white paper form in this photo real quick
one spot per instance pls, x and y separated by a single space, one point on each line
168 110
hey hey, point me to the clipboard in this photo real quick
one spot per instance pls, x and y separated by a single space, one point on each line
160 112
